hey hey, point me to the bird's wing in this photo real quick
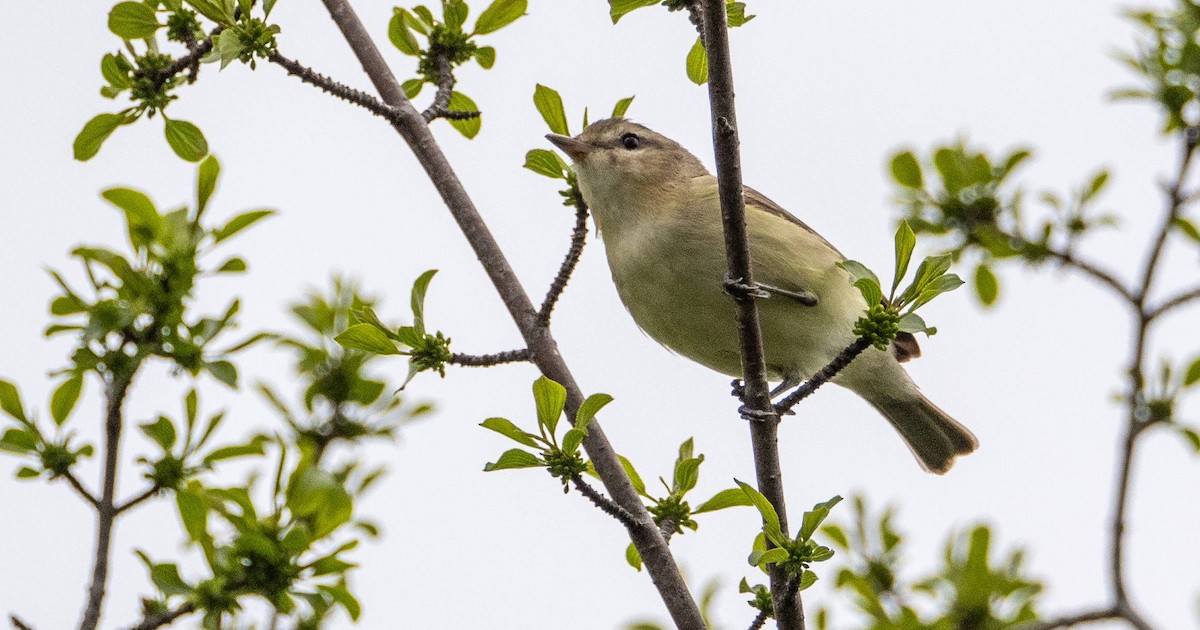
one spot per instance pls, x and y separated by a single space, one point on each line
759 201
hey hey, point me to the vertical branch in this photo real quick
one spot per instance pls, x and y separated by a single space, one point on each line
106 510
789 611
542 347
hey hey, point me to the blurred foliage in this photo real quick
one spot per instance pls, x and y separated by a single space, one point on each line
971 589
697 58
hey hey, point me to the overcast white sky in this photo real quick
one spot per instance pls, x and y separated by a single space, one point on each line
826 92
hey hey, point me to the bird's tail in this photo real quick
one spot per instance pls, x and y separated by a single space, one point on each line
931 434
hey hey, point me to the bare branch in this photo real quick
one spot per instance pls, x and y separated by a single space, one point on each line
488 360
440 107
824 375
543 350
578 240
80 490
604 503
1070 621
132 503
764 435
1068 259
344 92
759 620
164 618
1174 302
105 511
1175 202
18 623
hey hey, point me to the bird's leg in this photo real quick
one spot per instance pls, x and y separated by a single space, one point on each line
803 296
788 383
752 415
742 290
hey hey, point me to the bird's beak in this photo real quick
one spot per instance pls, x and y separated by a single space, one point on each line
577 149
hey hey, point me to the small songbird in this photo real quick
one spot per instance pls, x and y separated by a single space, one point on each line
657 209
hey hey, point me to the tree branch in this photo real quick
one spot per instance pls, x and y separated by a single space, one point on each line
578 240
1175 202
164 618
106 512
132 503
1068 259
488 360
1172 303
603 502
789 611
1069 621
18 623
440 107
824 375
80 490
543 349
328 85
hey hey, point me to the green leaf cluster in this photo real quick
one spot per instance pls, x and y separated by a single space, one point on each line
51 455
893 313
447 42
796 555
1166 58
563 458
970 589
426 351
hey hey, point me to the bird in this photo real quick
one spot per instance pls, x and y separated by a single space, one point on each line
657 210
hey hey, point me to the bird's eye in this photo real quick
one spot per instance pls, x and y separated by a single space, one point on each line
630 141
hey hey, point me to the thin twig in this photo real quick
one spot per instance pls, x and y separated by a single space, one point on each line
164 618
824 375
604 503
543 350
190 61
667 527
80 490
578 240
759 620
18 623
440 107
488 360
1175 201
764 435
1069 621
1172 303
1068 259
132 503
344 92
106 512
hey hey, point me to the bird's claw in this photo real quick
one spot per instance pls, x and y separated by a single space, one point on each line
757 415
742 290
738 389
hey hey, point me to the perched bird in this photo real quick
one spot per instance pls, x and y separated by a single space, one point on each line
657 209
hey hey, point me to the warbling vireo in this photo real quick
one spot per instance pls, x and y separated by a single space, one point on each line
658 212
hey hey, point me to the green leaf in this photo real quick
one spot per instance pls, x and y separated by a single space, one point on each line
633 557
140 213
25 472
906 241
1095 186
166 578
186 140
64 398
161 432
94 133
343 597
514 458
621 107
697 63
545 162
499 14
858 270
913 323
193 513
417 300
1189 434
813 518
807 579
468 127
870 291
589 408
485 56
724 499
761 558
367 338
1188 228
223 371
425 14
402 38
549 104
18 440
837 534
907 171
632 473
10 401
735 14
986 285
572 439
239 223
769 516
214 10
505 427
618 8
316 493
1192 375
111 70
132 20
454 13
550 398
412 87
233 265
253 447
206 182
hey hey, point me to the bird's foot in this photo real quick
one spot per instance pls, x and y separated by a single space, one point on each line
803 296
757 415
742 290
738 389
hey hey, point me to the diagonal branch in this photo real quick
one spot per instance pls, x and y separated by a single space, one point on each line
79 489
1173 303
164 618
328 85
824 375
604 503
440 107
578 240
764 435
543 349
488 360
